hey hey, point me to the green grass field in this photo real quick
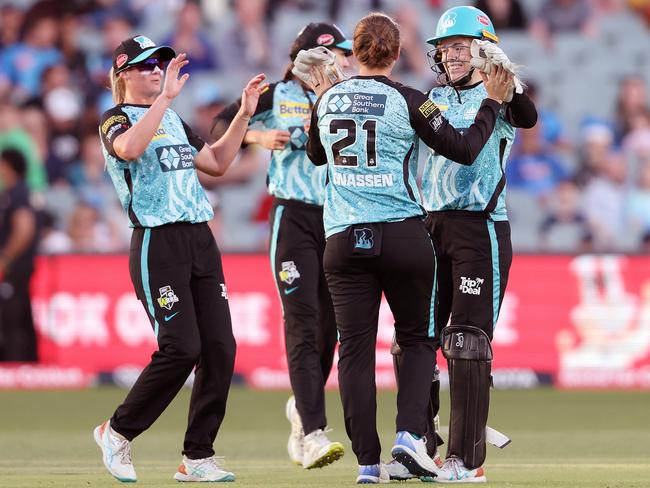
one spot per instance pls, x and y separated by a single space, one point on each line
560 439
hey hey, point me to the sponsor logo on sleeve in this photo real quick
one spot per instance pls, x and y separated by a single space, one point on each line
427 108
175 157
436 122
117 120
357 103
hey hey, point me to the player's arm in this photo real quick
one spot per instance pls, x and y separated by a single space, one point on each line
315 150
23 228
437 133
272 139
521 111
217 158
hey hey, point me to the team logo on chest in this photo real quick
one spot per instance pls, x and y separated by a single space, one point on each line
298 137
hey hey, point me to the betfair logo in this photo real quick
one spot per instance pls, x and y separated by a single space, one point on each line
294 109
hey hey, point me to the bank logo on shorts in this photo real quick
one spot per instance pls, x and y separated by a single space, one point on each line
167 297
363 239
289 272
176 157
471 286
357 103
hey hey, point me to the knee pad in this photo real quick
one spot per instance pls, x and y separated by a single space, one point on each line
469 356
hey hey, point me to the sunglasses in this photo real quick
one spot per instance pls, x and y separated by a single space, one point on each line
150 64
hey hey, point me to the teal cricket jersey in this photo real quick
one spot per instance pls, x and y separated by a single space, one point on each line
161 186
285 106
367 129
448 185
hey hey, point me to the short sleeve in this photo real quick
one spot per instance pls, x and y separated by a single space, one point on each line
195 140
113 123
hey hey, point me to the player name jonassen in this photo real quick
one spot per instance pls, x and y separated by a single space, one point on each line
379 180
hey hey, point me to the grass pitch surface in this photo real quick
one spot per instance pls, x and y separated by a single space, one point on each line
560 439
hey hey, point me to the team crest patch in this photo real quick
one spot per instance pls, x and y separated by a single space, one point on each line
144 42
447 22
363 239
167 297
289 272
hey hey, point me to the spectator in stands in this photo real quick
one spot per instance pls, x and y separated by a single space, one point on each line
534 168
251 34
631 99
565 228
505 14
22 64
552 128
14 136
641 7
190 38
637 142
11 20
89 233
562 16
597 144
603 203
638 201
17 249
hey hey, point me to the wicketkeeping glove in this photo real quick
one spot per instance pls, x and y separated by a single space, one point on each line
319 58
486 53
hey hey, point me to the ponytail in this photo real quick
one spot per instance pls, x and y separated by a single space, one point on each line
118 87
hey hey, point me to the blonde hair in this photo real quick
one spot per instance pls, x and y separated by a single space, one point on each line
118 87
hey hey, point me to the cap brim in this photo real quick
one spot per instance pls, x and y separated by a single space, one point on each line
165 53
345 45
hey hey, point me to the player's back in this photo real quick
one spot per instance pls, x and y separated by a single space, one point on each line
365 129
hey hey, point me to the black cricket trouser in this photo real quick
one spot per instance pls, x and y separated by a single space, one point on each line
17 334
405 272
177 274
474 257
296 252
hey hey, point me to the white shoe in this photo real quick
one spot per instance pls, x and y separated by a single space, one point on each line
319 451
373 473
412 453
454 471
205 469
397 471
297 436
116 452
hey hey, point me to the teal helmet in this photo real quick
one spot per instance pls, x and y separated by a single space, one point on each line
464 21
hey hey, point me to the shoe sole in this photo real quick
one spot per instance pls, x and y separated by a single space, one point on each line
98 439
480 479
406 456
184 478
334 454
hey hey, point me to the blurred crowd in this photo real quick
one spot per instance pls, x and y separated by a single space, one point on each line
571 187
